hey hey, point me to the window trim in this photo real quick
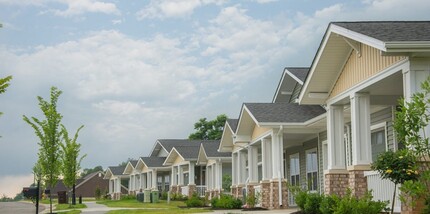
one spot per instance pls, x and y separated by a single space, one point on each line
379 126
308 151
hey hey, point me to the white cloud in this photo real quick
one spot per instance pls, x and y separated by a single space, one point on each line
168 9
78 7
12 185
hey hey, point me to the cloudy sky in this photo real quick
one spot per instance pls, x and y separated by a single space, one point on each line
135 71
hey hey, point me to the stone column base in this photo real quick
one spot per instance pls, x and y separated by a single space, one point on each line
191 190
357 183
336 183
266 195
274 186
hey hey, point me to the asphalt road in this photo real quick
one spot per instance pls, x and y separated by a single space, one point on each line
18 207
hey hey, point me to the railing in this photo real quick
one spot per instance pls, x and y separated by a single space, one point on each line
382 189
201 190
184 190
257 193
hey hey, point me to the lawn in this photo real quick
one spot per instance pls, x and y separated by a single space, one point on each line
69 207
161 207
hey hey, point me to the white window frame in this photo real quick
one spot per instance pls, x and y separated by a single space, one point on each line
377 127
313 150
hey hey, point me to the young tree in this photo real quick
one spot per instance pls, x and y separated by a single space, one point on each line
49 134
209 130
71 163
4 83
411 124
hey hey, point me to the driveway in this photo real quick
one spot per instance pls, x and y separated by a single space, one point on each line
19 207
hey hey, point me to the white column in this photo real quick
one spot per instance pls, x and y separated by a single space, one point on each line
118 182
241 167
210 177
174 173
266 151
335 142
252 164
141 181
233 169
360 125
180 175
149 180
154 179
191 173
219 175
277 155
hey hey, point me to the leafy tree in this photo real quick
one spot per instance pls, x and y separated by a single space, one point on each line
209 130
71 163
88 171
49 134
410 125
4 83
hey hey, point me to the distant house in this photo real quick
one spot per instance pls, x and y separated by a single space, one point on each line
85 187
115 175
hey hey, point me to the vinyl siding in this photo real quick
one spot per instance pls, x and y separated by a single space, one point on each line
296 93
360 68
322 137
385 115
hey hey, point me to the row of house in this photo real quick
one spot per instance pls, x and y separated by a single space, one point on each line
181 166
322 130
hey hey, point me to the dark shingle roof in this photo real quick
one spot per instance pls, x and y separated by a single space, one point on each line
153 161
283 112
168 144
211 149
391 31
117 170
133 163
233 124
299 72
190 150
89 176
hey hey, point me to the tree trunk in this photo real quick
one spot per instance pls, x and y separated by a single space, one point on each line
74 195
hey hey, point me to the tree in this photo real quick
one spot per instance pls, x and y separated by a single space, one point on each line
209 130
49 134
410 125
71 163
4 83
88 171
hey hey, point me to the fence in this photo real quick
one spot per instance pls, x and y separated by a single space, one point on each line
382 189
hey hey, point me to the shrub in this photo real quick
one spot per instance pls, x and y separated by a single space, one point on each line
312 203
226 182
163 195
178 197
226 202
329 203
300 198
195 201
350 205
98 193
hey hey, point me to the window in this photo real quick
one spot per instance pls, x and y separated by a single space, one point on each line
378 139
312 169
166 182
295 170
160 183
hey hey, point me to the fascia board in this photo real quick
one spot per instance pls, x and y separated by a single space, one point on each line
223 136
279 86
376 43
304 124
409 46
294 77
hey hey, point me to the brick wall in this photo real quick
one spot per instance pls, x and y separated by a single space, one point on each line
357 183
191 190
266 195
336 184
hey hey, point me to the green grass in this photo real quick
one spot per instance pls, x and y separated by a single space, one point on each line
69 207
162 211
157 208
71 212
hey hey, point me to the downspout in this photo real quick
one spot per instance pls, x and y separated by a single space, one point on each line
280 133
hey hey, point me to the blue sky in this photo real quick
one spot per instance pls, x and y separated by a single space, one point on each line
136 71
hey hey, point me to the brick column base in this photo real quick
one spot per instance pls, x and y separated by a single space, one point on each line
274 185
191 190
336 183
357 183
265 195
173 189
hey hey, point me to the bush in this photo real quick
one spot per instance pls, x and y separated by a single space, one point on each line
195 201
329 203
300 198
226 202
312 204
163 195
177 197
350 205
98 193
128 197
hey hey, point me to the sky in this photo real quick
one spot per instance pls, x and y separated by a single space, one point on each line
135 71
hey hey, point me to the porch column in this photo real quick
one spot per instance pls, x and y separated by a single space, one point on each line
180 176
118 183
191 173
148 180
360 124
277 155
218 175
154 179
335 141
266 150
141 182
174 178
241 167
234 169
252 164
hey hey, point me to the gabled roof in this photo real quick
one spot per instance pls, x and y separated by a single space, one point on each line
226 143
188 151
211 150
89 177
407 38
283 112
390 31
291 76
232 123
114 171
131 165
168 144
153 162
